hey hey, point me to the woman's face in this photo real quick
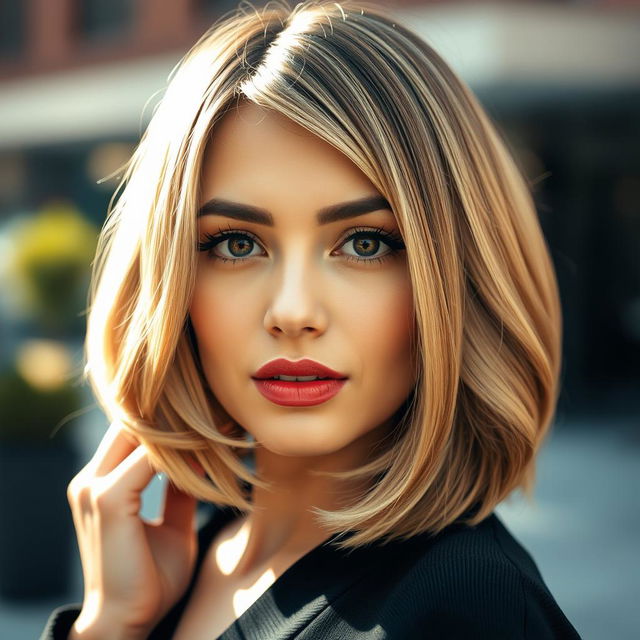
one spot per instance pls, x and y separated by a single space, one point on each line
298 287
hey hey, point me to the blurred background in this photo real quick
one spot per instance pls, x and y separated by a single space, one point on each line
561 81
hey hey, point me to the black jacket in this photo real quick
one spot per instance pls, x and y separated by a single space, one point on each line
463 584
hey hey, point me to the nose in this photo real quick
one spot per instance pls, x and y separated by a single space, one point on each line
295 305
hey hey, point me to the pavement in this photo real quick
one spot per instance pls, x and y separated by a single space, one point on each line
582 529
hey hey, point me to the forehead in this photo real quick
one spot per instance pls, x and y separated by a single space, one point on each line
254 151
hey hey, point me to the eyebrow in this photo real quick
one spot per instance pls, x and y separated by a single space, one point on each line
329 214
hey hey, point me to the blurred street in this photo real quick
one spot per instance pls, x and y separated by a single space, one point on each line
583 531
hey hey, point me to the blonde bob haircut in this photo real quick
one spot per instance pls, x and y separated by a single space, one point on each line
487 312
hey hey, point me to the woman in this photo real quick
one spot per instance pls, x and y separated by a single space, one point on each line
317 196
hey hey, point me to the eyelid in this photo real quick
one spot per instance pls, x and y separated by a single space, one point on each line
388 233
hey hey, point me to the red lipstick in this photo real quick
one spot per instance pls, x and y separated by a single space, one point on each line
305 367
298 393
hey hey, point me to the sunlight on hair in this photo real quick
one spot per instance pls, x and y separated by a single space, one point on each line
276 56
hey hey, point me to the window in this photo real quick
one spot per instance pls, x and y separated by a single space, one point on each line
12 28
219 7
104 19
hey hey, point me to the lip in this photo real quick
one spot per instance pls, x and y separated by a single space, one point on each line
305 367
299 394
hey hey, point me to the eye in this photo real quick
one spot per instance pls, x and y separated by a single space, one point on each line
367 243
240 245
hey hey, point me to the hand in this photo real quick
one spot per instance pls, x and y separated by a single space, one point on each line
134 571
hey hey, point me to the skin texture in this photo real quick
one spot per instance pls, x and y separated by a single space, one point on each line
297 296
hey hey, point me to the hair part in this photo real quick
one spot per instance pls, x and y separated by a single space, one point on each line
487 311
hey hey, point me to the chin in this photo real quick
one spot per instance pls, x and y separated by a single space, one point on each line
297 443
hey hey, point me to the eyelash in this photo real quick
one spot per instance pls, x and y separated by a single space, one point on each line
390 238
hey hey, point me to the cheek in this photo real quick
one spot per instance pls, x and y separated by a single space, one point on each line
382 329
219 323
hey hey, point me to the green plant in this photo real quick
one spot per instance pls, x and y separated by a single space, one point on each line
52 254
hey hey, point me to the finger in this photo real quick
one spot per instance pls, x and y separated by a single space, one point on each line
134 473
114 447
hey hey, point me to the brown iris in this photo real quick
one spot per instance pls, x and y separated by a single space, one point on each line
240 241
368 243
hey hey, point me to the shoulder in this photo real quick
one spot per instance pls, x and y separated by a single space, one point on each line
478 582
